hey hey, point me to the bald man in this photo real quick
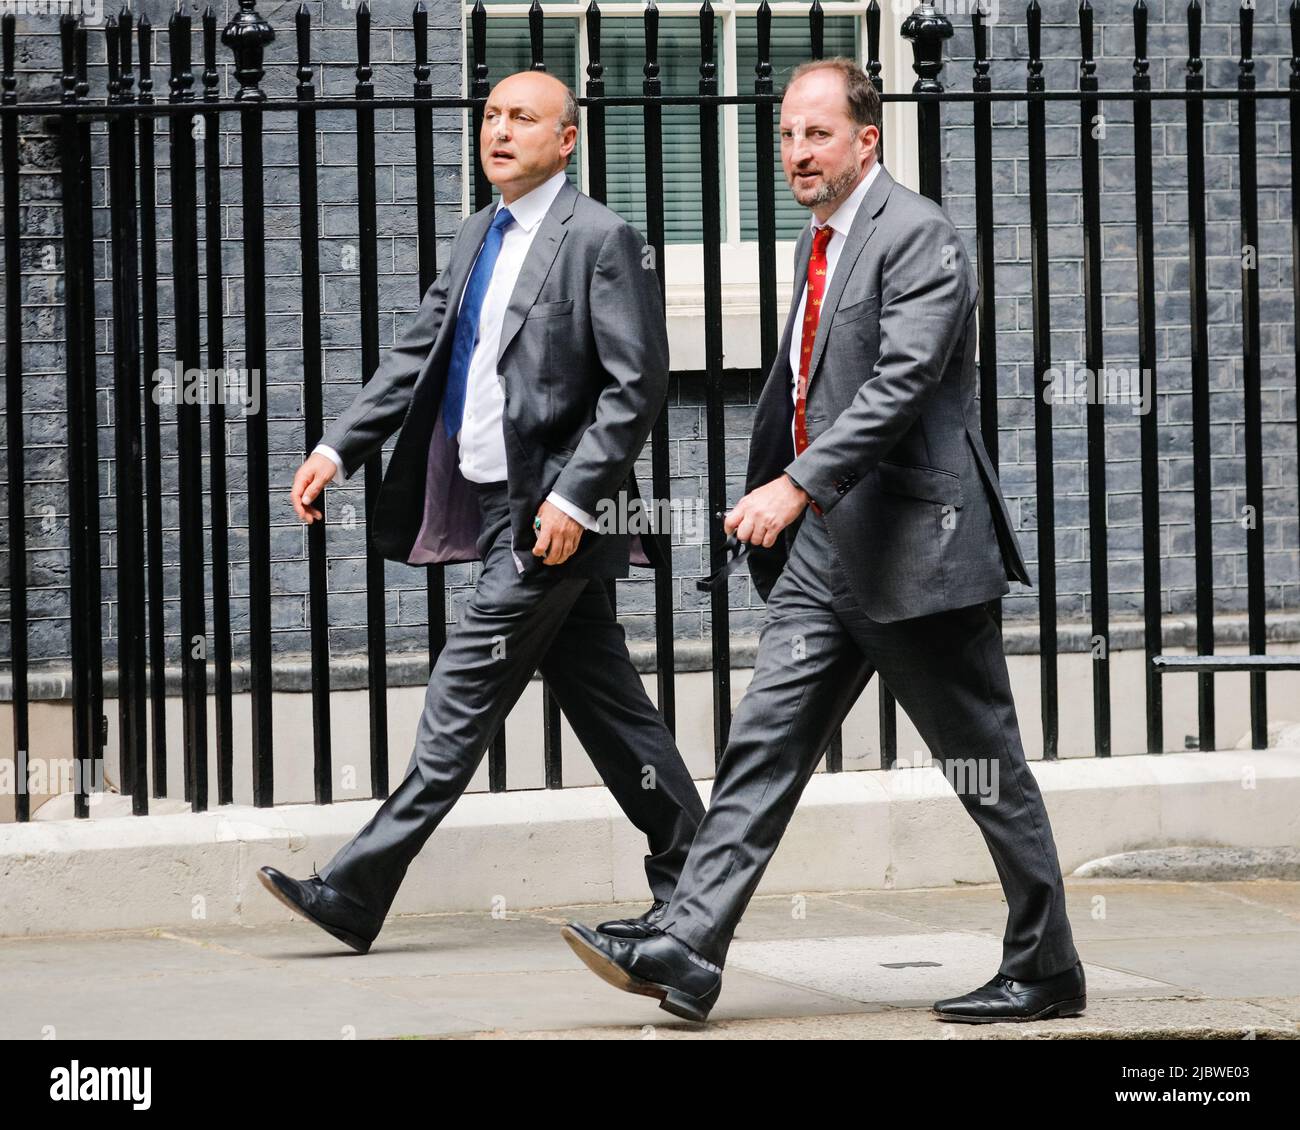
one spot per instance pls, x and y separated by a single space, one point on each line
524 390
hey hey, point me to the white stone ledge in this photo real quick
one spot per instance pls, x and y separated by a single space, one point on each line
854 830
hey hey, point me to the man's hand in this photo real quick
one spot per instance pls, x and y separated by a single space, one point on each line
762 514
558 537
308 483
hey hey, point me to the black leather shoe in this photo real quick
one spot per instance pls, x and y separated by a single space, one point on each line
1008 998
655 966
635 927
320 903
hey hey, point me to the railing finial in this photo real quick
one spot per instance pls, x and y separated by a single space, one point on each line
595 68
1295 44
650 82
927 28
873 67
1141 64
247 35
1195 64
537 35
763 68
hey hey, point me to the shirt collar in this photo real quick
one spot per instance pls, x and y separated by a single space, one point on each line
529 209
842 218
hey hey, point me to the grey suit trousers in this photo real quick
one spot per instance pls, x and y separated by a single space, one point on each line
816 653
515 625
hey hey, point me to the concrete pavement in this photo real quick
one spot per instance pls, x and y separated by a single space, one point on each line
1171 959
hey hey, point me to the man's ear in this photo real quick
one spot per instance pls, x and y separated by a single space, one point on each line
875 145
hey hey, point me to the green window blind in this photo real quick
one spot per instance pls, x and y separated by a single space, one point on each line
623 59
622 54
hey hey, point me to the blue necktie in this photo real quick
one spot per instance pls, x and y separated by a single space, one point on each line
453 403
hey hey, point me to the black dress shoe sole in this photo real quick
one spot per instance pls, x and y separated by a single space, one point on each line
670 999
358 943
1058 1010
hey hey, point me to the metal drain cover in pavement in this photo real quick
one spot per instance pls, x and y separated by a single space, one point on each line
896 968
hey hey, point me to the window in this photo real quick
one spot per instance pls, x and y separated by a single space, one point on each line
623 57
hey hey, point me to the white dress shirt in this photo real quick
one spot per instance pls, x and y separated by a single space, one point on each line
840 222
481 435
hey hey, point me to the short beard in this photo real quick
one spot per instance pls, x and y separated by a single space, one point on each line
831 190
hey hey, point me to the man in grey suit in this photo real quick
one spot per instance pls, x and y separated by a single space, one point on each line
878 536
524 389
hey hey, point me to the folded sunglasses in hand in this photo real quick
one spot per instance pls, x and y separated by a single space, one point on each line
737 551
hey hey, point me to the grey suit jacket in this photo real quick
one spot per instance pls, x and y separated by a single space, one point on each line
584 367
895 459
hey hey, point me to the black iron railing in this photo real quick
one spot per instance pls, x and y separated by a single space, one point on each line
129 114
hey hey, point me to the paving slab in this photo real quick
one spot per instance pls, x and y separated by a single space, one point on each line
1190 960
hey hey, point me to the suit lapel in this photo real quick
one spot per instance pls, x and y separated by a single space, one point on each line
802 253
776 390
780 371
537 263
474 230
864 225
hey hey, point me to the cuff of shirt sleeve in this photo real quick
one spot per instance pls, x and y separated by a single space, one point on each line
330 453
578 515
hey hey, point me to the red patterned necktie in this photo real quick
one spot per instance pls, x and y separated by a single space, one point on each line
812 311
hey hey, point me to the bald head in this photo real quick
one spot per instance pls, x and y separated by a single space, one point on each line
530 127
542 88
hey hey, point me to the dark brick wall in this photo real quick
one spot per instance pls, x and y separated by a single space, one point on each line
334 52
1167 50
334 47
